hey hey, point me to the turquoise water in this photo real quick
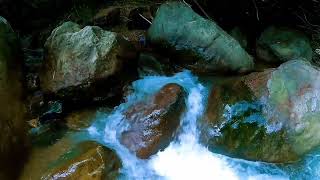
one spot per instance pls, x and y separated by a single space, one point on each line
185 157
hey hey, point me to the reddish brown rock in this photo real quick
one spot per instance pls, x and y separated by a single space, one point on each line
153 123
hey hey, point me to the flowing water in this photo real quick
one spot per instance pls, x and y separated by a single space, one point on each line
185 158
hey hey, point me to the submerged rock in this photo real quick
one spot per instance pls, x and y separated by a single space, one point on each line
153 123
283 44
78 56
269 116
201 43
12 122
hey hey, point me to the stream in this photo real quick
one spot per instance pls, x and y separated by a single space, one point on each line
186 157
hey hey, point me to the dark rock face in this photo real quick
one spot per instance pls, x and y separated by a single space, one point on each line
12 123
268 116
107 17
279 45
201 43
154 123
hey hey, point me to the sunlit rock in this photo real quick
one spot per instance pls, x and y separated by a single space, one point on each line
271 116
154 122
67 160
77 57
201 43
93 162
283 44
12 122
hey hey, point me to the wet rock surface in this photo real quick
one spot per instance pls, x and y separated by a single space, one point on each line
82 119
78 56
92 162
153 123
203 45
67 160
268 116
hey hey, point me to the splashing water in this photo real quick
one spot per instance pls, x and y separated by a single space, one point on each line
185 158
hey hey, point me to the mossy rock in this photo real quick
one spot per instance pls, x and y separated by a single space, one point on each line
268 116
197 43
280 44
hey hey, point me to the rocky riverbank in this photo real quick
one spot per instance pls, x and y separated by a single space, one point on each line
61 70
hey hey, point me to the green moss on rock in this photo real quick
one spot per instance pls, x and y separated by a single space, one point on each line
177 26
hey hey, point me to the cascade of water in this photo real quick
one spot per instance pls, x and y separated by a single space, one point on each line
184 158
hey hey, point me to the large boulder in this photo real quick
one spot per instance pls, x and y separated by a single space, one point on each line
154 122
279 45
77 58
199 43
270 116
12 124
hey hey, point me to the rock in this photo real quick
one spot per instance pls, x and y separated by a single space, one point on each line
81 63
154 122
36 104
270 116
200 44
32 81
13 139
78 56
93 162
80 120
140 18
67 160
148 65
33 59
240 36
107 17
279 45
52 112
315 43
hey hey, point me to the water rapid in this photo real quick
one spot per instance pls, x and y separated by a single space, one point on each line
185 158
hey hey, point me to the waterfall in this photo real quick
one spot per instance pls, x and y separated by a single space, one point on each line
185 158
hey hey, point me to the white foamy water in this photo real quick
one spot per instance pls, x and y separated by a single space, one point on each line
185 158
